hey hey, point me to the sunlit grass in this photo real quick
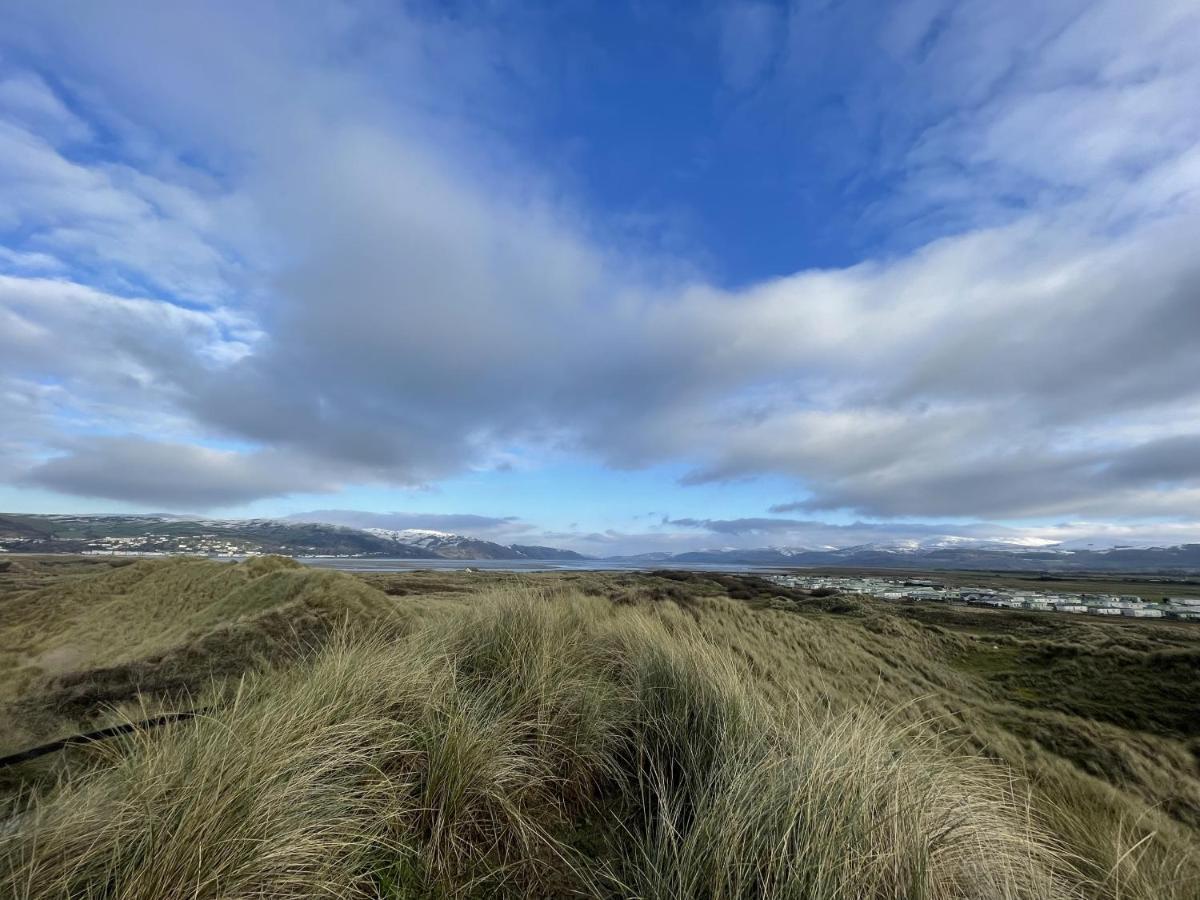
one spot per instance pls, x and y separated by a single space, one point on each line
546 742
467 756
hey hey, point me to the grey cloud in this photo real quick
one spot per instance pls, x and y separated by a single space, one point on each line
1155 478
173 476
1072 359
1171 460
748 525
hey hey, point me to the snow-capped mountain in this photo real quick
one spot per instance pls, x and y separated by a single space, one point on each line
951 552
418 537
229 537
957 542
446 545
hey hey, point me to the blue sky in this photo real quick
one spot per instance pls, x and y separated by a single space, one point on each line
617 276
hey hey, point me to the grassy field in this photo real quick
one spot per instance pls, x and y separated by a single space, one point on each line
439 734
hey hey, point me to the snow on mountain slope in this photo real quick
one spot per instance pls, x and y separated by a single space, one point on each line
419 537
458 546
956 542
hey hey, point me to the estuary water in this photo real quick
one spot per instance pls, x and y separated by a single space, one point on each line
351 564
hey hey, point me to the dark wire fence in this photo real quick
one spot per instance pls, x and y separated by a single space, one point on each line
103 734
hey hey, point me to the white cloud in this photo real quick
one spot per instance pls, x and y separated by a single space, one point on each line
25 97
115 222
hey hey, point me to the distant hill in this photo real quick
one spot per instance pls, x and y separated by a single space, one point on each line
446 545
224 537
230 537
985 555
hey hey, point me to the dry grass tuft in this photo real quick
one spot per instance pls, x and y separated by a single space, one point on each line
531 745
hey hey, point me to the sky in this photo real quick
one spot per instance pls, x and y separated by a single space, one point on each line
612 276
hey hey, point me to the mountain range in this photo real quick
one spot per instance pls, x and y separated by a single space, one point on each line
23 533
230 537
964 554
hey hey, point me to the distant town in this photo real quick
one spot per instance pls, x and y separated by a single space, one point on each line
900 589
170 545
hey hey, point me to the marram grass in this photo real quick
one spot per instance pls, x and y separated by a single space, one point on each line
535 745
